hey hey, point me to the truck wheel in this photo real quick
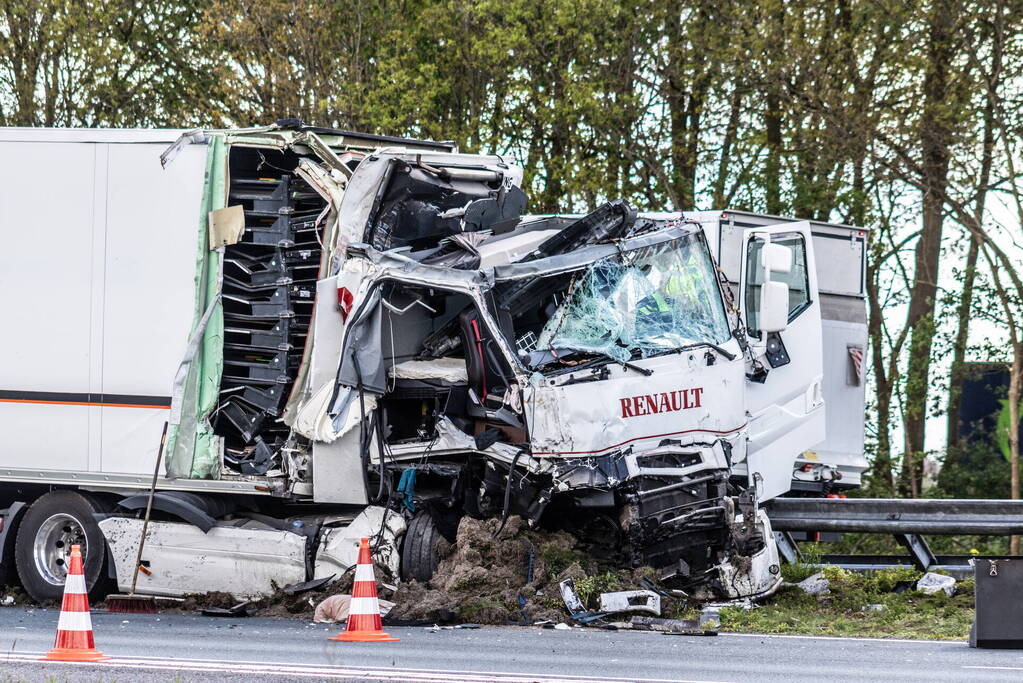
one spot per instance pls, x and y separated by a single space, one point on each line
52 524
419 551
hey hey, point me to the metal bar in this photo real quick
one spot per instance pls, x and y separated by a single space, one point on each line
923 558
787 547
897 516
110 480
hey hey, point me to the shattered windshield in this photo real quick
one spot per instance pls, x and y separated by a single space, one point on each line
641 303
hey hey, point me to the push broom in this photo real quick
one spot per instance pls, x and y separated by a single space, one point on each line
132 602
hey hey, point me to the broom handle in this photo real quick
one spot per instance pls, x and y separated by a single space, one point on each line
149 508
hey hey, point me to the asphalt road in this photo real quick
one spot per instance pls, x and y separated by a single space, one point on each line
174 647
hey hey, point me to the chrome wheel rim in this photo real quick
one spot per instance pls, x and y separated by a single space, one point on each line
52 547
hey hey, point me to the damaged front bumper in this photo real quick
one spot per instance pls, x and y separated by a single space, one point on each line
676 514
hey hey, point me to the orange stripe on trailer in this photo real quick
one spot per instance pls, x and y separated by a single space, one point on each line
85 403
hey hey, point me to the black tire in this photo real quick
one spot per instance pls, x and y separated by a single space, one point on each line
49 524
419 556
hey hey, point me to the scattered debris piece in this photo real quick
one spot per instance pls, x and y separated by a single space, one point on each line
239 610
931 583
691 627
631 601
435 627
876 607
815 585
710 616
315 584
335 608
571 597
562 627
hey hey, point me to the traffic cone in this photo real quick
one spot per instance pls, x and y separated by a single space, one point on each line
364 624
74 641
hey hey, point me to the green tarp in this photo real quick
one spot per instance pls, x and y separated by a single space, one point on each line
191 445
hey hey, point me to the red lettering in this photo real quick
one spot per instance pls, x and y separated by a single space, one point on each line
676 400
640 405
664 402
627 407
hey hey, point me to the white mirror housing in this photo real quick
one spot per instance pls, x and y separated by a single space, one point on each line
777 259
774 305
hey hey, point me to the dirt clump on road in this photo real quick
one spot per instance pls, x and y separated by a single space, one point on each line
513 578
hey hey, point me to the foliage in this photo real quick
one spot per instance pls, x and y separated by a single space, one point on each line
846 611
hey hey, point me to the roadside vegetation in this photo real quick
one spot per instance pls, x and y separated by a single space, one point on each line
858 604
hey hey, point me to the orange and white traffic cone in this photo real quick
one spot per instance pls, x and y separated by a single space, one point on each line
364 625
74 641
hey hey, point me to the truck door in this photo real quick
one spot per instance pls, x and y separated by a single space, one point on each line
781 308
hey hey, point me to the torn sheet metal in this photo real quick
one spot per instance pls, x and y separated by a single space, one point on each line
245 561
339 546
311 419
192 137
227 226
585 256
444 369
366 184
460 251
755 576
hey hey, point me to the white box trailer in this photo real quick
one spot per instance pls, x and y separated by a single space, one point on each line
838 462
328 320
101 271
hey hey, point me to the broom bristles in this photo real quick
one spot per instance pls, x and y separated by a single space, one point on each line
131 603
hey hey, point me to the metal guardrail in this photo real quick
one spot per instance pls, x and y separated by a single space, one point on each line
897 516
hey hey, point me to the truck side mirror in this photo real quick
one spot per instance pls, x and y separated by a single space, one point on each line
774 305
777 259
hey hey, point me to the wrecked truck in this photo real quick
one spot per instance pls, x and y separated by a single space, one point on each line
345 335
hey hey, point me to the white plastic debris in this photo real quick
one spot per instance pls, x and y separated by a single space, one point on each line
815 585
8 600
570 597
931 583
710 616
876 607
563 627
631 601
335 609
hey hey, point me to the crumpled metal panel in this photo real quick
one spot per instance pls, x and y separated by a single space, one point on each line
339 547
245 562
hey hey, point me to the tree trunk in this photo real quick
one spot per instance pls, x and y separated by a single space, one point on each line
955 383
935 135
724 162
881 463
772 111
1014 392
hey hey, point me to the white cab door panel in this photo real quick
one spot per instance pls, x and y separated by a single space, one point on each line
786 409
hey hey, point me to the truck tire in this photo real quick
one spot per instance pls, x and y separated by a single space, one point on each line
52 524
419 557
